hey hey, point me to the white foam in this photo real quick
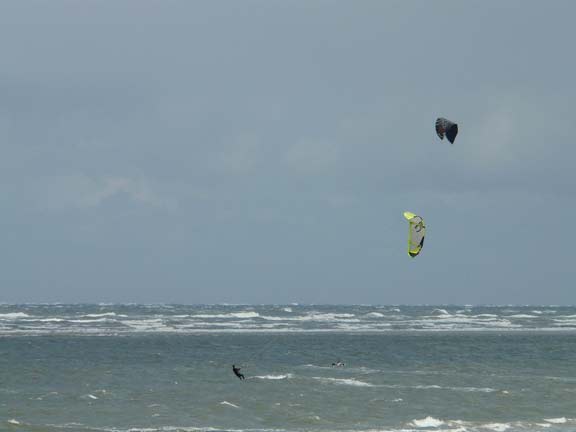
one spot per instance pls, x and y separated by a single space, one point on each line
13 315
274 377
321 317
229 315
437 387
229 404
559 420
81 321
109 314
147 325
344 381
463 389
427 422
498 427
13 422
282 319
564 322
441 311
317 366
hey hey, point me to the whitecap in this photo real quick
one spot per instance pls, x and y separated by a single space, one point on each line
437 387
419 387
317 366
146 324
245 315
85 321
344 381
229 404
101 315
559 420
330 317
13 422
471 389
274 377
228 315
427 422
13 315
441 311
497 427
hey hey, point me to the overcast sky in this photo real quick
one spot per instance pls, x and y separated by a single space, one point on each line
264 151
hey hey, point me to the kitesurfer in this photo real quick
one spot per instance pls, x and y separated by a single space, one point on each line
236 371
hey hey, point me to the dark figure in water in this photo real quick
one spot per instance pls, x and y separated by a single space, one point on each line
236 371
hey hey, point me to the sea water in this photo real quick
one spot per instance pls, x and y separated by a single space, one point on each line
168 368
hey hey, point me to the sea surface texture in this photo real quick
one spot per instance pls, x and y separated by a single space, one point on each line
148 368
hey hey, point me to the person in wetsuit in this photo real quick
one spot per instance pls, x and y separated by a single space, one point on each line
236 371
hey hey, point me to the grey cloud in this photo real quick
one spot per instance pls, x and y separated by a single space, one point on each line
313 155
82 191
255 149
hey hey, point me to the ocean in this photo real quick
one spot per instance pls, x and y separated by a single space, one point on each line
148 368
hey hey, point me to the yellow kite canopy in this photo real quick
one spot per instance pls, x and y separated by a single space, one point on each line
416 233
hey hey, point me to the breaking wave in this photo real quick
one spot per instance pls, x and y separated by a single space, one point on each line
428 423
126 319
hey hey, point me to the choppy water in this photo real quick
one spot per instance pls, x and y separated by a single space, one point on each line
183 319
167 368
